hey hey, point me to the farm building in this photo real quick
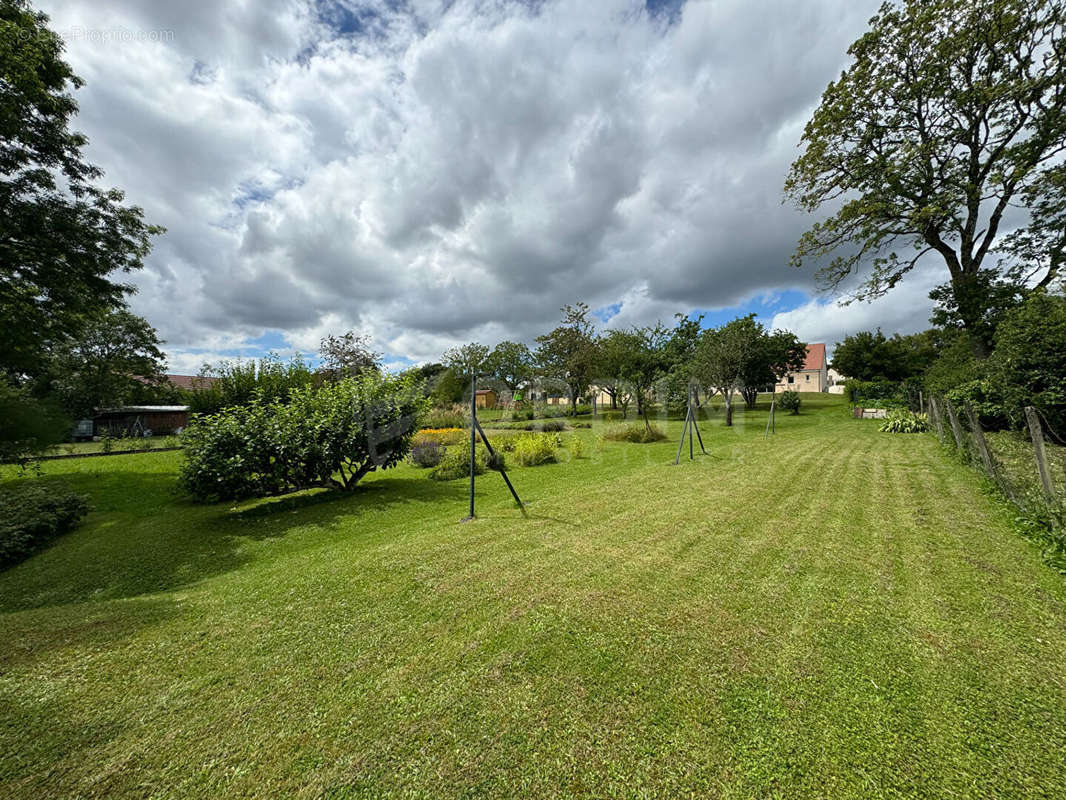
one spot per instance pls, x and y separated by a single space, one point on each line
813 377
485 398
136 420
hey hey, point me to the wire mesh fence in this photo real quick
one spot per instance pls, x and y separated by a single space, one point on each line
1028 467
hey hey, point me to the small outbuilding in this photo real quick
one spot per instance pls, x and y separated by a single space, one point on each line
485 398
137 420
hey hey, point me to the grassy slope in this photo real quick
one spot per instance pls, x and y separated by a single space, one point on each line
830 612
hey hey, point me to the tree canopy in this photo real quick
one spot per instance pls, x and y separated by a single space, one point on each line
114 358
63 239
569 352
950 111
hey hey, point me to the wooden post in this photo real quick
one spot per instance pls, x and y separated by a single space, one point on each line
982 445
956 428
473 439
921 402
934 414
1036 433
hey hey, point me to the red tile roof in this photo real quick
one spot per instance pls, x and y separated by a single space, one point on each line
815 356
191 382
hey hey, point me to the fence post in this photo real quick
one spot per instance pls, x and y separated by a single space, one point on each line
1036 433
956 428
982 445
934 412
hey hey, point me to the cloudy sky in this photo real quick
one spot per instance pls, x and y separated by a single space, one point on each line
438 172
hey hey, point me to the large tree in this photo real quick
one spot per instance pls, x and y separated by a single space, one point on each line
569 353
641 362
511 363
872 356
771 357
722 357
65 242
467 361
950 111
347 356
111 362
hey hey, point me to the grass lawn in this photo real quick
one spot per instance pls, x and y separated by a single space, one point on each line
829 612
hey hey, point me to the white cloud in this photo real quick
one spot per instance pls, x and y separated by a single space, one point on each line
441 172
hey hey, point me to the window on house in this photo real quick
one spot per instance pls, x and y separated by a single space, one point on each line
806 377
791 379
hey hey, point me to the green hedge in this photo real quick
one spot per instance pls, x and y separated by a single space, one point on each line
33 513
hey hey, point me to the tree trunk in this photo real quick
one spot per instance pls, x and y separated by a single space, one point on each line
970 298
573 403
750 395
728 409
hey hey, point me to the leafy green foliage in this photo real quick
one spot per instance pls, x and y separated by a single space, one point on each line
534 449
347 355
240 383
329 437
1028 366
63 238
28 425
636 433
987 403
871 356
113 359
638 359
949 112
900 420
456 462
32 513
570 353
789 401
510 363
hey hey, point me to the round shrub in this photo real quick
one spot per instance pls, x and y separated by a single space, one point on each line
427 454
790 402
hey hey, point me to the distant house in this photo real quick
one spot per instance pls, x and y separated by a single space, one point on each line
813 377
485 398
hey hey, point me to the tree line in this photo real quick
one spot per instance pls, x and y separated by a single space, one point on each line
637 364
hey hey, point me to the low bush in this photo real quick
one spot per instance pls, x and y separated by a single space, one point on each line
442 418
522 412
456 463
580 424
900 420
636 432
427 454
613 416
32 514
534 449
790 402
575 446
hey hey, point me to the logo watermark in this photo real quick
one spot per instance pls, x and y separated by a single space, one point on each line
102 36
